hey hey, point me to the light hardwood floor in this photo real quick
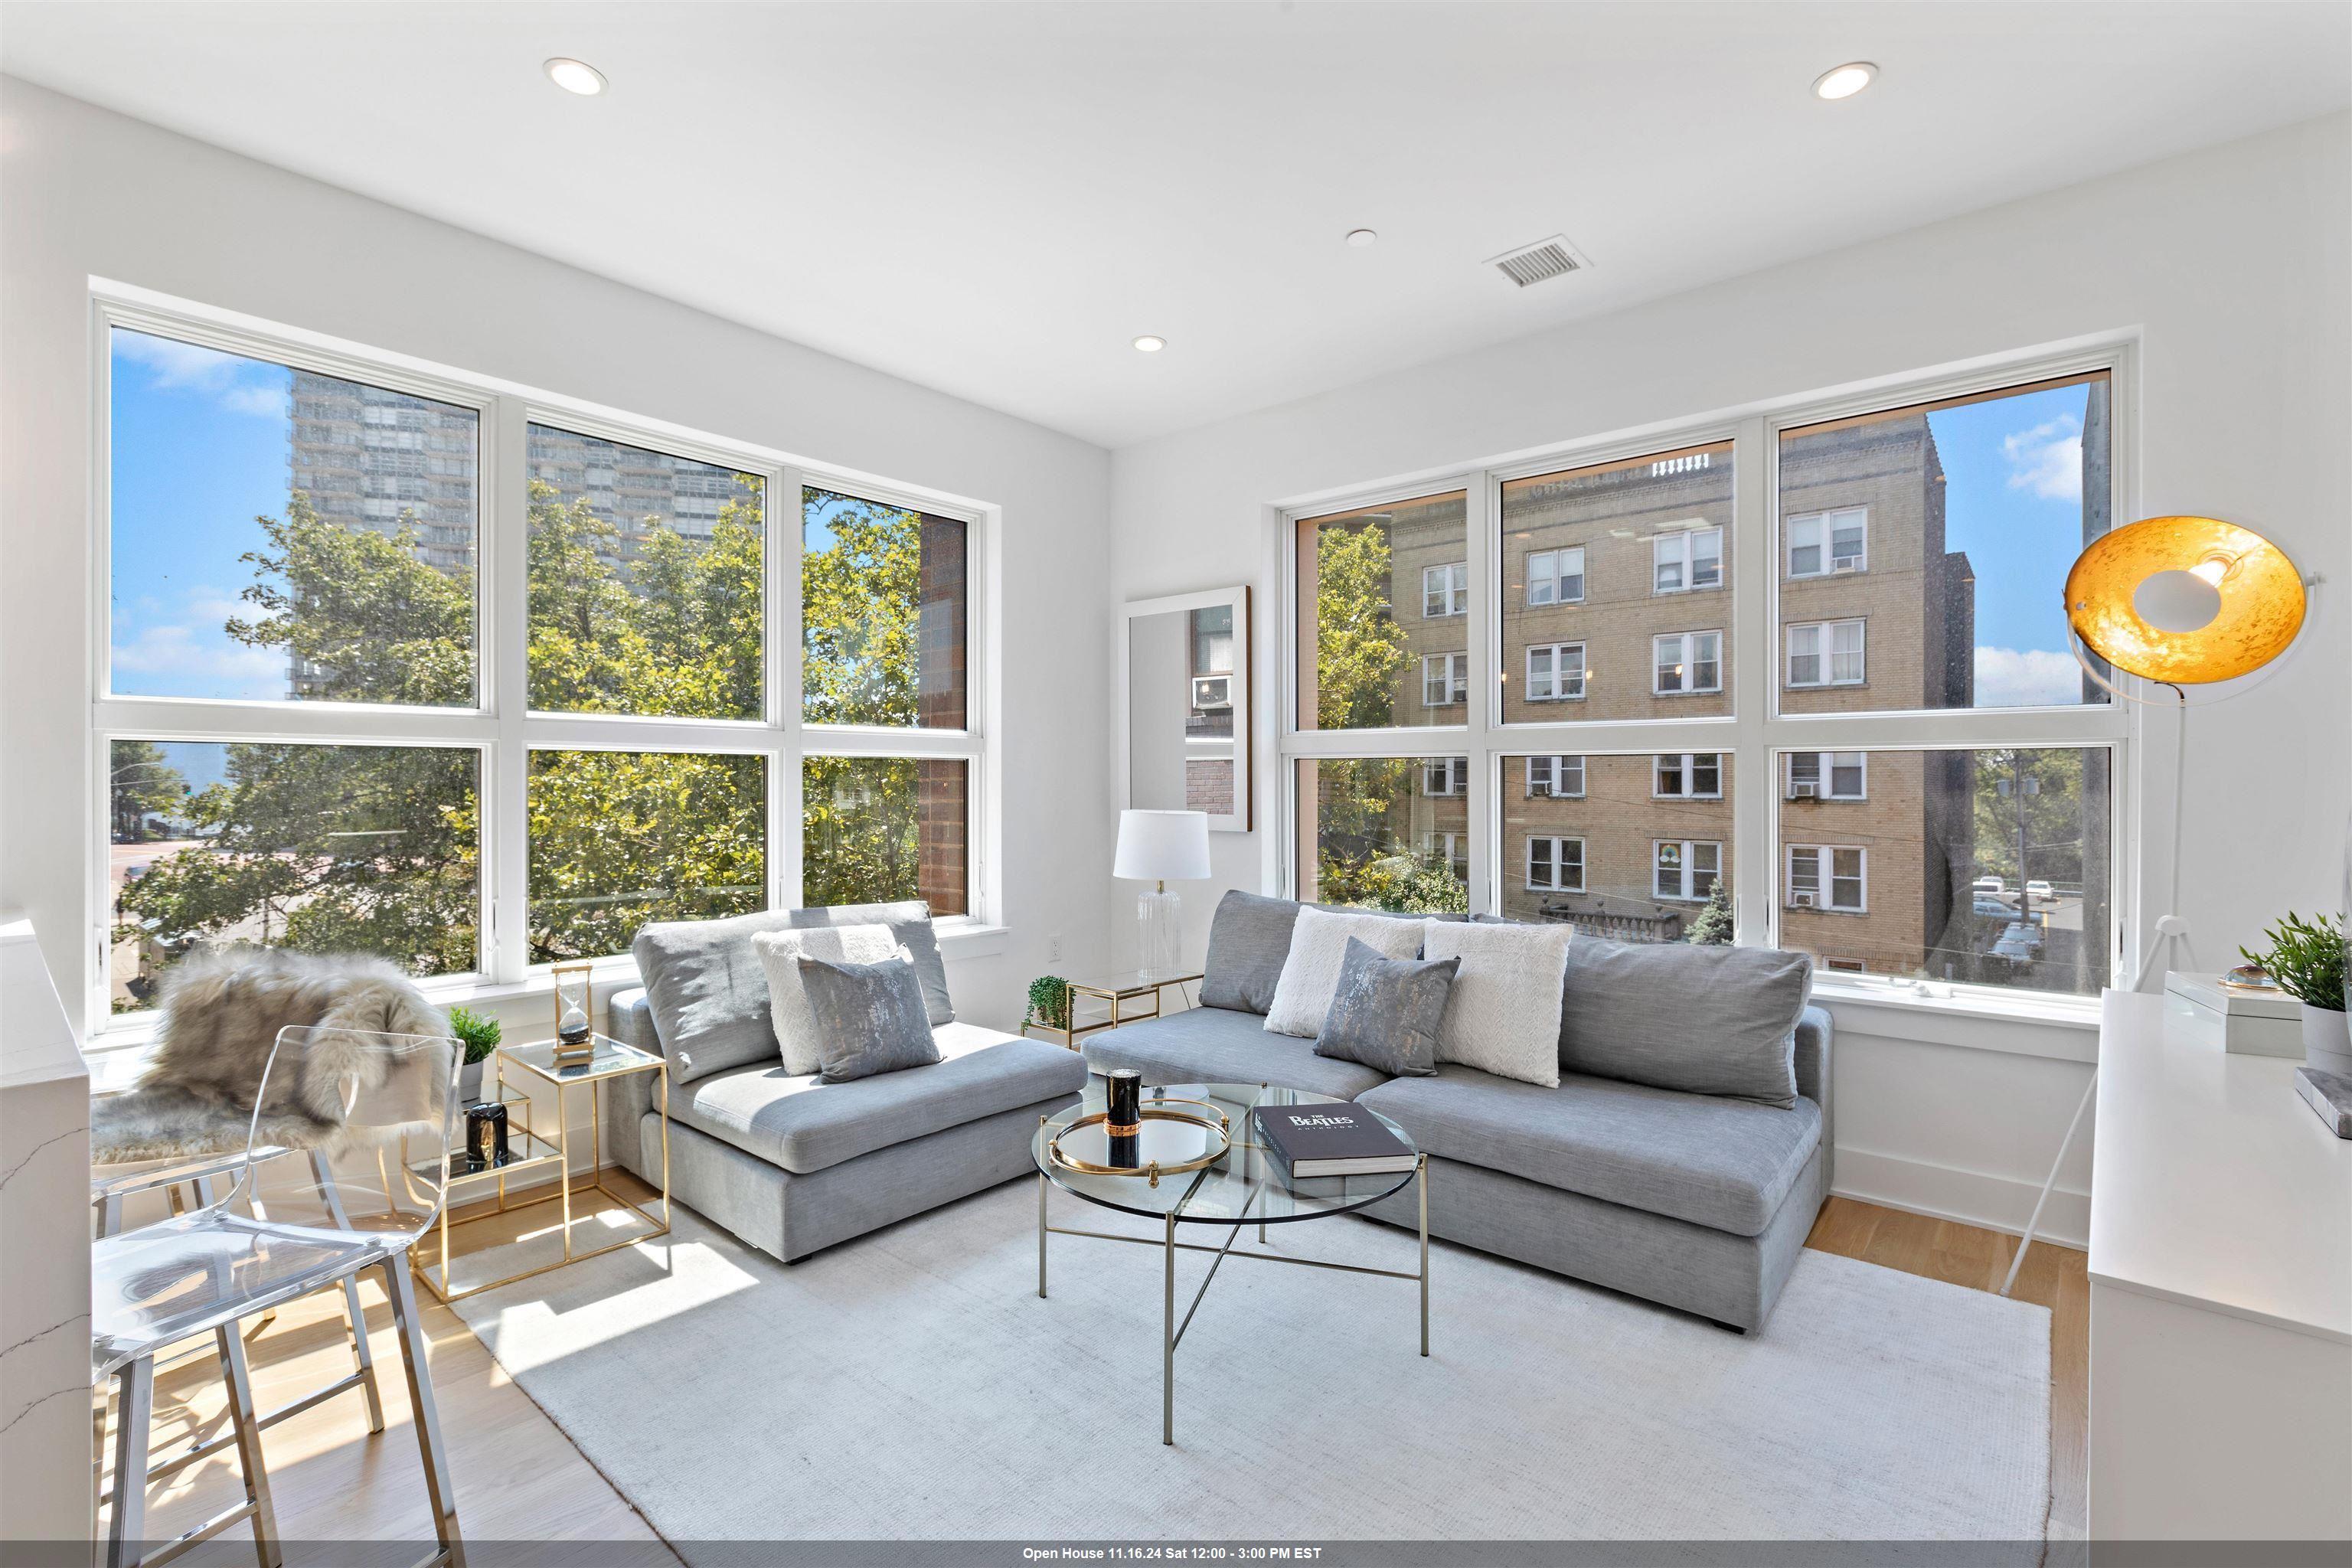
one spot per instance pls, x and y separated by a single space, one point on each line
519 1479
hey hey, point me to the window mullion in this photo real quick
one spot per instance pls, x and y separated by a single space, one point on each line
784 679
1755 663
505 816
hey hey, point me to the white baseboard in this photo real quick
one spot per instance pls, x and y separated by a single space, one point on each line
1967 1197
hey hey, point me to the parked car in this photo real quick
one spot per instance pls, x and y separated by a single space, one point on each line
2039 891
1991 885
1994 906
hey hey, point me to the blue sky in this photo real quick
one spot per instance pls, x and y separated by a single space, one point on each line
2013 501
199 449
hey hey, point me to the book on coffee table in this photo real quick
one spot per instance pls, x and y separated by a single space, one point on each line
1331 1141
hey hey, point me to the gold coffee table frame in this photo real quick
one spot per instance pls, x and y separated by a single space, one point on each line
534 1152
1113 991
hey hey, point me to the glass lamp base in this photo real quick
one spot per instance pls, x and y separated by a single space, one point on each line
1157 916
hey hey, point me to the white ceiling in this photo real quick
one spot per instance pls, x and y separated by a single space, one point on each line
995 199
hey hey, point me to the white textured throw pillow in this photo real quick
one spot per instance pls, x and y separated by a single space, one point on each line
1503 1016
1310 976
788 1005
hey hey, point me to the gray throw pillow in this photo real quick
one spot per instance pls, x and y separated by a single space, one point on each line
1704 1020
1386 1011
1249 942
709 996
869 1017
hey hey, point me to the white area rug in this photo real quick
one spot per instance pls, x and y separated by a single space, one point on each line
910 1383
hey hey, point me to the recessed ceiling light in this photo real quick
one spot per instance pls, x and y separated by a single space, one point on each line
1845 80
1360 238
1148 344
576 76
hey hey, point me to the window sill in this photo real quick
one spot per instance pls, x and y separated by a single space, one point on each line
2041 1024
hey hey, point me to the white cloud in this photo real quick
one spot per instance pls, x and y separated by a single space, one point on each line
2047 459
225 378
195 647
2027 678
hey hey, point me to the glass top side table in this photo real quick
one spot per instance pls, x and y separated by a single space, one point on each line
1113 993
534 1152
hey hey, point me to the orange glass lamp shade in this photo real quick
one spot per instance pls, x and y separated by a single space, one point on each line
2185 600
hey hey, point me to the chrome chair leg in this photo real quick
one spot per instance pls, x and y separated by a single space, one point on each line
127 1524
247 1432
362 1357
422 1411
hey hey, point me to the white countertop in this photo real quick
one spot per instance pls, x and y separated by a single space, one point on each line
36 1045
2212 1183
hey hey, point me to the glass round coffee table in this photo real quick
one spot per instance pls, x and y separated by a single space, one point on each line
1244 1185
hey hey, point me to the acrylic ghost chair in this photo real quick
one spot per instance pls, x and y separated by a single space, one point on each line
200 1273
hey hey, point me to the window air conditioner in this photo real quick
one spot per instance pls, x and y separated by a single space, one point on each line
1212 692
1848 565
1802 900
1804 791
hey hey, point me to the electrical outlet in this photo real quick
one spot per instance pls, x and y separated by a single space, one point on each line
1053 947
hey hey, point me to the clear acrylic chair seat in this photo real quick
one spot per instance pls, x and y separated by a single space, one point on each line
388 1107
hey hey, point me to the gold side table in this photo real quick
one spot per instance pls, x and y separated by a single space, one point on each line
1114 991
531 1151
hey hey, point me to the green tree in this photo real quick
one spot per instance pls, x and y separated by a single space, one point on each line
2037 794
1359 649
1713 926
1410 884
142 783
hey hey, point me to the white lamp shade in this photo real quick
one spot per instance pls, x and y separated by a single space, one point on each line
1162 847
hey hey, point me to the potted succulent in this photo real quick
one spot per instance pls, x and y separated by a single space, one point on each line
2307 957
480 1036
1049 1003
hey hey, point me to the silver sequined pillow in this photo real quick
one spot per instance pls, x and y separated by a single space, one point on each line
869 1017
1386 1011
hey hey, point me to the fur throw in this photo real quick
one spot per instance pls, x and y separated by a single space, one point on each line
223 1009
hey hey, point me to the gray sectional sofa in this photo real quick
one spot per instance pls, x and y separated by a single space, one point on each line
1700 1201
791 1164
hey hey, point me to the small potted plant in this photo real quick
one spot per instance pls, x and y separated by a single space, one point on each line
1049 1003
480 1036
2306 958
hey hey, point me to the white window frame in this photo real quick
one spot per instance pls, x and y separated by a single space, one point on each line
1556 843
1756 726
1824 862
1825 769
1553 576
1556 769
1679 548
1452 591
1686 646
1689 849
1454 670
500 726
1553 653
1826 650
1456 777
1823 527
1444 845
1685 766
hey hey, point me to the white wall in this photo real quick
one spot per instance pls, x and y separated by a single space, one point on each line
90 193
2233 265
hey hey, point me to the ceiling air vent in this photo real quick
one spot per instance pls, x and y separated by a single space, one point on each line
1533 263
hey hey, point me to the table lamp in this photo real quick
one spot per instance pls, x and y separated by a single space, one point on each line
1155 846
2180 602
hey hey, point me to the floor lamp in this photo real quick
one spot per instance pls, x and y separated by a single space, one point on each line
2179 602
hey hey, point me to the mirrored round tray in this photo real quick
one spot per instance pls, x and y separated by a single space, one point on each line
1173 1135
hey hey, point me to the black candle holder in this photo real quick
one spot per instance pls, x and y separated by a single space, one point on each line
485 1135
1123 1117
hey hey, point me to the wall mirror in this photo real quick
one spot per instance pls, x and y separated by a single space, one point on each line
1184 665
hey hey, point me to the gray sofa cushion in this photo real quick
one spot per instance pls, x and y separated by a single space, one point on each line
1210 1044
709 994
1249 938
1386 1011
1705 1020
804 1124
1727 1165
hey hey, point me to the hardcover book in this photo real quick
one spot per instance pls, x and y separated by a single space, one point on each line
1331 1141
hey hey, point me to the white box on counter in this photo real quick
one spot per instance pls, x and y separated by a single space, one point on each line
2200 1007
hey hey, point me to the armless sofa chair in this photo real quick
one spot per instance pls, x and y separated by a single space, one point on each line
791 1164
1626 1178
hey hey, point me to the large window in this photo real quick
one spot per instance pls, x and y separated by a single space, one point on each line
1617 559
1363 831
1893 583
1369 628
281 541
